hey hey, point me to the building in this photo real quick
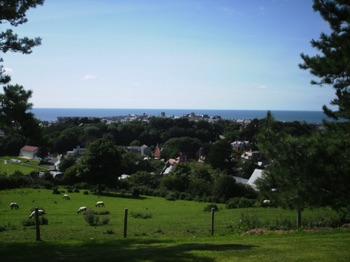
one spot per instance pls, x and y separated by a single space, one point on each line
29 152
140 150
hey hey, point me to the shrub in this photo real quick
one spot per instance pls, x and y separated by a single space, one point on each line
171 196
249 222
31 222
86 192
141 215
103 212
240 202
105 220
91 218
56 191
109 232
94 220
135 192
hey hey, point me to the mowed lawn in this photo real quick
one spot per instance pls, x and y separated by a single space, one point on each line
170 231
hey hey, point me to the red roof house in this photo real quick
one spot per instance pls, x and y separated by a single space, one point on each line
29 152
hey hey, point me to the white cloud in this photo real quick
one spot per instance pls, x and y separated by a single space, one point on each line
88 77
261 87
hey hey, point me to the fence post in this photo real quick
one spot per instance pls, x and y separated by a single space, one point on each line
125 222
212 220
37 224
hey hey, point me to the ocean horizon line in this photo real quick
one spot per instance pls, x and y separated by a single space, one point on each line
182 109
52 114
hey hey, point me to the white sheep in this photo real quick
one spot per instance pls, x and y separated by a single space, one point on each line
65 196
40 213
81 209
14 205
100 204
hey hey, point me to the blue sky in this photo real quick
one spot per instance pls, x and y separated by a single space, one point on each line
185 54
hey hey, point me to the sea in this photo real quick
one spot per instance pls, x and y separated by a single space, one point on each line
51 114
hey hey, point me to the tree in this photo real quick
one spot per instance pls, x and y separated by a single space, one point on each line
292 179
14 115
332 65
14 104
100 163
185 146
220 156
14 13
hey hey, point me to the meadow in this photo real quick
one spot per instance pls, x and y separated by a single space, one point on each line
158 230
25 166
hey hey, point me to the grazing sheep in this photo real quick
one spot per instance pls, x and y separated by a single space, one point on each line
65 196
14 205
100 204
40 213
81 209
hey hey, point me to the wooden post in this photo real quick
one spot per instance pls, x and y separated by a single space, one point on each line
37 224
212 220
125 222
298 218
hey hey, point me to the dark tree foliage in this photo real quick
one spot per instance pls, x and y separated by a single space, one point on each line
15 116
331 65
182 146
100 163
14 13
14 105
220 156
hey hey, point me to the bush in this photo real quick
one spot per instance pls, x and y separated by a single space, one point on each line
135 192
91 218
141 215
94 220
109 232
103 212
171 196
31 222
240 202
55 191
210 206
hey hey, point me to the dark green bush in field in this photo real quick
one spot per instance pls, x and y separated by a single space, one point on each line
94 220
171 196
240 202
103 212
91 218
248 222
109 232
141 215
210 206
31 221
56 191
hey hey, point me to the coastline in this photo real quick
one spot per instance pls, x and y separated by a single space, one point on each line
51 114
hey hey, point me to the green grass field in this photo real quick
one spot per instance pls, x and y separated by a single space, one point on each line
171 231
26 166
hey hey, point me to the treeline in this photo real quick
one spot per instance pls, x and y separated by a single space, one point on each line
104 160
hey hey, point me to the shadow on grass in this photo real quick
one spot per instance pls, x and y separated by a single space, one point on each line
116 250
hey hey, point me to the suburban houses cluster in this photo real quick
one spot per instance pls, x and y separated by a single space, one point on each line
30 152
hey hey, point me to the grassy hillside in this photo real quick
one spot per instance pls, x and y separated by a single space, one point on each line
175 230
23 165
